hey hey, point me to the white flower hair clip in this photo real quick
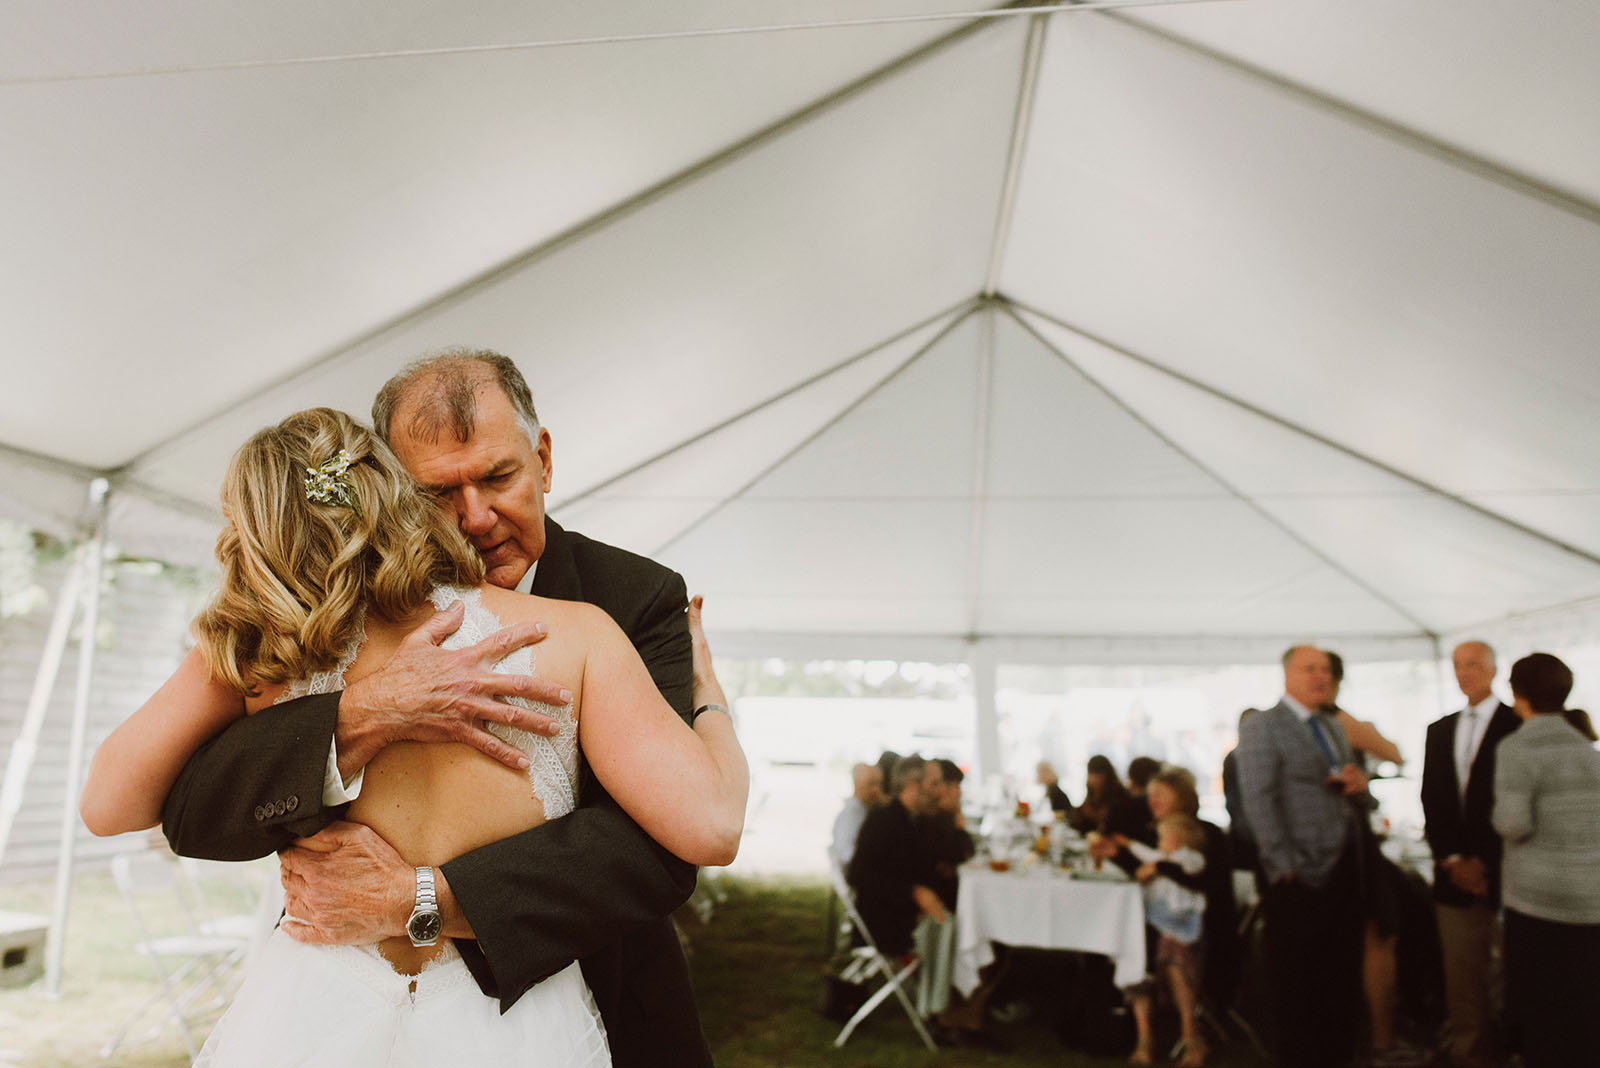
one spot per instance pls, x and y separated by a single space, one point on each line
328 483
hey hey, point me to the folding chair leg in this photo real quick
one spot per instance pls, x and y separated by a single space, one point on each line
1249 1032
892 985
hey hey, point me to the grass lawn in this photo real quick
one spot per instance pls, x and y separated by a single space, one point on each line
756 966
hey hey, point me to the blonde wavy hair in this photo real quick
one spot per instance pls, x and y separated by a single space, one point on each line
298 576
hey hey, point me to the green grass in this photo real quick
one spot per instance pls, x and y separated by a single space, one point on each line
757 968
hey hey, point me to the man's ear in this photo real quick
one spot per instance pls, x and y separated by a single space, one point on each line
545 467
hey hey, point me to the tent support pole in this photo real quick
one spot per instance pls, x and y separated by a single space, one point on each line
26 746
985 681
983 394
94 563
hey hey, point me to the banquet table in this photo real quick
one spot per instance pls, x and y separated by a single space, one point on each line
1047 908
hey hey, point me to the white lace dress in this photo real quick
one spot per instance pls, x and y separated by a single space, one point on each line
345 1007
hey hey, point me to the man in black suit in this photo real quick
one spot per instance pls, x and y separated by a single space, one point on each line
892 871
1457 802
592 886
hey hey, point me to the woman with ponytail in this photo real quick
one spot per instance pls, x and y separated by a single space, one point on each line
1547 808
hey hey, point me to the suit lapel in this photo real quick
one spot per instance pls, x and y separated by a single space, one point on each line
1451 743
557 577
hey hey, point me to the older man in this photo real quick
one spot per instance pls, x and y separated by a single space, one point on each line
1457 801
591 886
865 795
1297 774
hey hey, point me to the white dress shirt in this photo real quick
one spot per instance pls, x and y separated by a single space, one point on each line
1470 729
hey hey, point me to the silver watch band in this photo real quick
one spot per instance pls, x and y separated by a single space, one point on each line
425 898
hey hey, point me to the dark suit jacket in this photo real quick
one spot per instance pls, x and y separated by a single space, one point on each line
1456 825
591 886
889 861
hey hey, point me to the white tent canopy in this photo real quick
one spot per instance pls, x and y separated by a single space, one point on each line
1174 331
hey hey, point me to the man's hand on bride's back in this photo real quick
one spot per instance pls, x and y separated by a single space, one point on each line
425 693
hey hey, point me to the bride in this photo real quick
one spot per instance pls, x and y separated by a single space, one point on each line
330 556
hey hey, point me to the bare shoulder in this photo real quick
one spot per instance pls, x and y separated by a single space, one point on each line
513 607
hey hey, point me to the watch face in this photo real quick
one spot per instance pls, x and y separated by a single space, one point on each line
424 927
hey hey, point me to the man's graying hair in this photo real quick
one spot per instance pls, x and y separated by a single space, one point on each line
444 384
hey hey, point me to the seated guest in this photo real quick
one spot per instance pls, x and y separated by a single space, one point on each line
1547 811
1172 790
891 873
1131 817
866 794
947 843
1105 789
943 828
1059 802
1175 910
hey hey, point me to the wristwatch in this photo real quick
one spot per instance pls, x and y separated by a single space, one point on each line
425 923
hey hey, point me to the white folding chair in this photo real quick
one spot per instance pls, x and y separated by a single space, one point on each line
867 961
196 971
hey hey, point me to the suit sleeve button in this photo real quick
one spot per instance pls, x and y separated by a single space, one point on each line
293 802
279 807
261 813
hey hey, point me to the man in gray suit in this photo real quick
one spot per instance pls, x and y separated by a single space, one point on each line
1300 783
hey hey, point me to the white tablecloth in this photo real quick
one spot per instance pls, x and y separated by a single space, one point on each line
1047 909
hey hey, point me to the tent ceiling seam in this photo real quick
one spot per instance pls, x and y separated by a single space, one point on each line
598 221
1460 158
1512 619
1021 128
52 464
1216 477
987 14
790 453
762 405
1346 450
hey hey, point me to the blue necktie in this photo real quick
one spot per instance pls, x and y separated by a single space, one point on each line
1322 741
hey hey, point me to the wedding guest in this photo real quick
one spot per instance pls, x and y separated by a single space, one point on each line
1296 773
1547 809
1046 776
1176 911
1240 840
1364 737
1172 792
1131 815
1104 790
1458 772
891 873
943 827
1382 885
866 793
886 762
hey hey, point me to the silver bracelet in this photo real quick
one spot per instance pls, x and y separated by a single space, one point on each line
707 708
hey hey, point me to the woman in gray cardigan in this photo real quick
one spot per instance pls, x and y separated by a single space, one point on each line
1547 808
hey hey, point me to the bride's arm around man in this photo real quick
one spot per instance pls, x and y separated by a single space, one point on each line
591 886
